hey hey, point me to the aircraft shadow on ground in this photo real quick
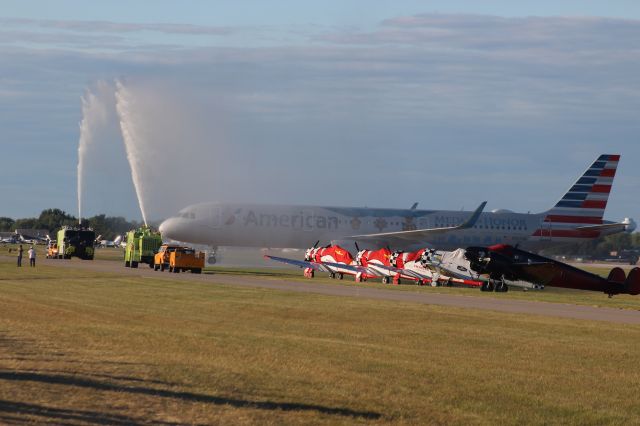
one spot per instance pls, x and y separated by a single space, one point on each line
71 380
14 413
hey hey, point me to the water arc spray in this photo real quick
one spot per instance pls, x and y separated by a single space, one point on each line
98 111
85 126
124 105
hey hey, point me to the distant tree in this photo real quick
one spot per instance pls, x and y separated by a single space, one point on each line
110 227
27 223
600 247
97 223
616 242
7 224
54 219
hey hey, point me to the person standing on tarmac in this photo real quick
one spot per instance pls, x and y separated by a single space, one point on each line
20 251
32 256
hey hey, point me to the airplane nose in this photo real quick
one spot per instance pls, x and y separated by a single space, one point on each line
162 228
178 229
168 228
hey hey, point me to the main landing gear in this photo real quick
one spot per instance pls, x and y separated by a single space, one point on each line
499 286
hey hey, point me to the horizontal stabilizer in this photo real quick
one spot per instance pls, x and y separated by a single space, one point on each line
632 283
616 276
607 226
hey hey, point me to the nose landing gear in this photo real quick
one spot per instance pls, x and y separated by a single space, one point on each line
211 258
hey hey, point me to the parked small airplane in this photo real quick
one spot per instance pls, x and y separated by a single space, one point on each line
493 268
30 239
507 263
8 240
332 259
370 264
415 266
577 217
108 243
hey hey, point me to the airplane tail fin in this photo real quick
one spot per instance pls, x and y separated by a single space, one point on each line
584 203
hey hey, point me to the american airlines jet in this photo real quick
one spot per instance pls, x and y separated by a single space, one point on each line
578 216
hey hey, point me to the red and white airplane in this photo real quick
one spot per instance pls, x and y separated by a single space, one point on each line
397 266
333 259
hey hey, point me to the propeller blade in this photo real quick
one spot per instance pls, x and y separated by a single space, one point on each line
316 244
356 243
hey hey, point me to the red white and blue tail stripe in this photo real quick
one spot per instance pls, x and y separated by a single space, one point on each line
581 209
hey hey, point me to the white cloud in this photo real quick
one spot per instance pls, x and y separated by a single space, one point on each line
419 94
116 27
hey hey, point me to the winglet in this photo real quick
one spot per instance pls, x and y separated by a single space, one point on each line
474 217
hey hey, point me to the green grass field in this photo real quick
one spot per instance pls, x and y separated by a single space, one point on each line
549 294
80 347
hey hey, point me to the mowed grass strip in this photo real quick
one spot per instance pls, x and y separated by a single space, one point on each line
549 294
81 347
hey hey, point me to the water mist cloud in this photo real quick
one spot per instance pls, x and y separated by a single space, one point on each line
98 134
175 145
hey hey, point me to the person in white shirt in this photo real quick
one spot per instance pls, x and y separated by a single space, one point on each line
32 256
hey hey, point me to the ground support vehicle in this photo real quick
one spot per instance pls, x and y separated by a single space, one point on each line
52 250
177 258
161 258
142 245
75 241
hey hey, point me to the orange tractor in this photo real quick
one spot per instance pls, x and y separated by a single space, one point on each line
178 258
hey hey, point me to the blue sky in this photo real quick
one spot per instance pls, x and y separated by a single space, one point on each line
347 103
292 12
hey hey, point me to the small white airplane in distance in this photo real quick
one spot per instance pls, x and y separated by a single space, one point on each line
8 240
29 239
109 243
578 216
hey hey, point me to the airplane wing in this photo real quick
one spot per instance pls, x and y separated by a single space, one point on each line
365 270
299 263
420 234
531 263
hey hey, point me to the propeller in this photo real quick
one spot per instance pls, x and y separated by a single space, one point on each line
357 248
316 244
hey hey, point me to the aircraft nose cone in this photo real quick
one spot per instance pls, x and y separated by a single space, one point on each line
168 228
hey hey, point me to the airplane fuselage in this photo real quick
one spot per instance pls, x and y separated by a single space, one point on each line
291 226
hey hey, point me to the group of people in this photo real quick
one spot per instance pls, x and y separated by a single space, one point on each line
31 253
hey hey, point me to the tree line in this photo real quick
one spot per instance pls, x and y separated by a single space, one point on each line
601 247
53 219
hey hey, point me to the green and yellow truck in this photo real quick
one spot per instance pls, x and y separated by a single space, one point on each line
142 245
76 241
